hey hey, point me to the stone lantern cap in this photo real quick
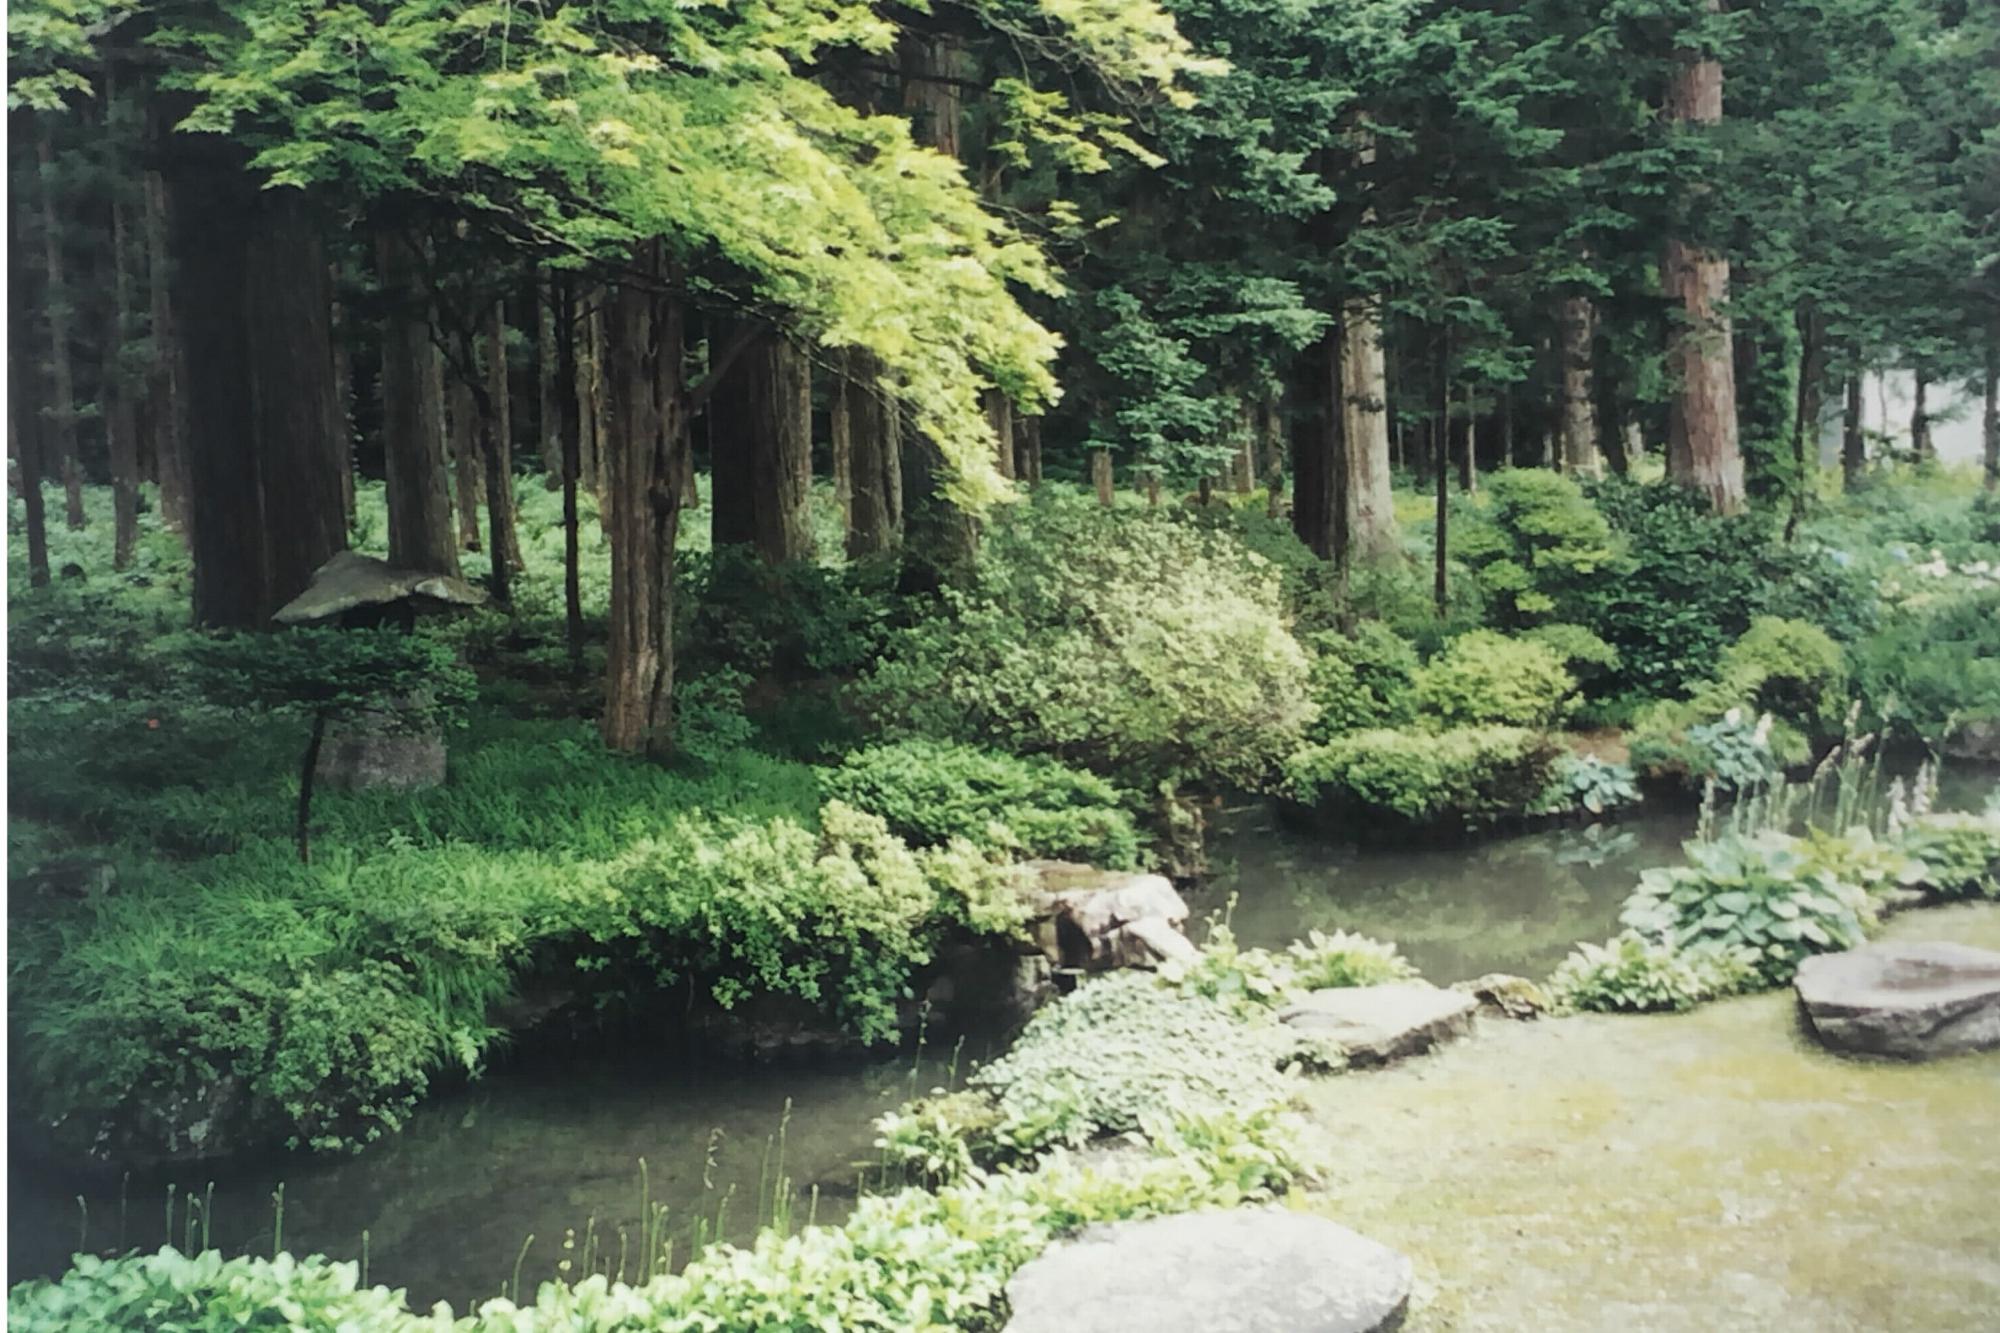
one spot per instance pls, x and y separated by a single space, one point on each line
354 582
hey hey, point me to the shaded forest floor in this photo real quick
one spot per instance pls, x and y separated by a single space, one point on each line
1700 1172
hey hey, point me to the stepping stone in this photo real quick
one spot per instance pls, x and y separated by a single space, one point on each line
1914 1001
1378 1024
1248 1270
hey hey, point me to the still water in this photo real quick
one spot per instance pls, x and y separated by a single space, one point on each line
543 1149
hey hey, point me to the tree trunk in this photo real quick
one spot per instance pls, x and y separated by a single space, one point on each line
166 395
1440 584
1580 453
1031 450
1371 502
937 538
589 392
1270 433
760 463
468 468
1000 420
875 445
1991 417
840 447
547 413
290 367
563 313
1702 448
62 374
644 347
121 405
1805 417
1318 505
25 425
1853 443
1100 476
343 397
1920 418
413 465
251 304
497 446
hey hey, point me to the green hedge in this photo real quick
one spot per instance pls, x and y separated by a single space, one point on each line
1471 774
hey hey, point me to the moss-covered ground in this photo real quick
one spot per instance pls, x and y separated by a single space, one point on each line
1701 1172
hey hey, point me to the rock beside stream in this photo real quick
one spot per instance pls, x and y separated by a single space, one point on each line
1913 1001
1097 920
1249 1270
1379 1024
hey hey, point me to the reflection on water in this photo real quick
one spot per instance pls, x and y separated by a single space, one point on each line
541 1149
533 1151
1514 904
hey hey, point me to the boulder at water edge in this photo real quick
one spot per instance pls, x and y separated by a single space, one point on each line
1378 1024
1913 1001
1098 920
1250 1270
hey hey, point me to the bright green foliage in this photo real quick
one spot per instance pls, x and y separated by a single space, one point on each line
1588 657
204 1293
933 791
1633 974
1585 782
1935 665
1360 681
1539 548
1471 774
1487 678
1858 857
915 1261
1960 852
1126 1050
253 998
1251 979
1327 962
1786 668
1141 648
1733 751
1760 895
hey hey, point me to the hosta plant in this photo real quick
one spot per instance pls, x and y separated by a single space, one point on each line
1632 974
1760 894
1960 852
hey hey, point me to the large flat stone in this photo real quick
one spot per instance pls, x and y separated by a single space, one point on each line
1913 1001
1377 1024
1249 1270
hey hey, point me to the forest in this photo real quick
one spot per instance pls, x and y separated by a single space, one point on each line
813 648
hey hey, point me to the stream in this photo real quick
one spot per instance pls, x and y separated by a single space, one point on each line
551 1148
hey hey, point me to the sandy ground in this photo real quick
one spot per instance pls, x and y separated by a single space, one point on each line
1702 1172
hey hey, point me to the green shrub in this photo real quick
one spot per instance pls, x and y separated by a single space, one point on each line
202 1292
1935 665
1588 658
1733 751
1539 548
1360 681
1472 773
1487 678
1328 962
1786 668
1585 782
794 620
1687 584
1250 979
1758 897
1960 852
1134 645
1858 857
1632 974
1125 1049
933 791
